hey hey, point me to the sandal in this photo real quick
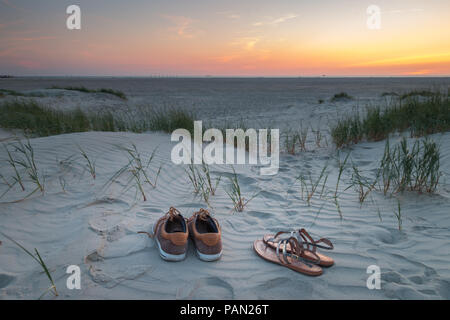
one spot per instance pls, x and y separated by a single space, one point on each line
305 241
292 260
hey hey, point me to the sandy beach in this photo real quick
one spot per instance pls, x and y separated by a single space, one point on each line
92 223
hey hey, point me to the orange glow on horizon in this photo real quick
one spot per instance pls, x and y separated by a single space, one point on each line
305 40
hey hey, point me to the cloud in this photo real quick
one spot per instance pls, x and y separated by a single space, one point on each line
28 64
247 43
183 26
418 72
404 10
34 38
407 60
9 4
275 21
7 24
229 14
227 58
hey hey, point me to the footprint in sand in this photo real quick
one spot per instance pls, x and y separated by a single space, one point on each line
108 224
110 276
283 287
124 246
5 280
206 288
271 196
105 221
444 289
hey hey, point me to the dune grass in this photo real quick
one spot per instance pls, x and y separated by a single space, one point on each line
136 172
421 116
318 136
21 159
235 194
413 166
416 93
170 119
341 96
296 138
310 185
410 168
7 92
202 181
363 185
398 215
341 166
389 93
37 257
90 163
116 93
39 120
290 141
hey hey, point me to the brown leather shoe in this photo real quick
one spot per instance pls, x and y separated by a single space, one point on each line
206 234
171 234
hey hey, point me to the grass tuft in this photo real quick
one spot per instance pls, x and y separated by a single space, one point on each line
42 121
421 116
415 168
37 257
116 93
309 185
235 194
7 92
341 96
90 164
21 159
136 171
202 181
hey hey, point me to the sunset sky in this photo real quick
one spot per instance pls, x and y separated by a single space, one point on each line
225 38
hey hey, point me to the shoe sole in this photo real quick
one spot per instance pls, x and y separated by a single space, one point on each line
169 257
209 257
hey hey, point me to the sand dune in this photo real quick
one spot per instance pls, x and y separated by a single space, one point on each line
96 228
97 231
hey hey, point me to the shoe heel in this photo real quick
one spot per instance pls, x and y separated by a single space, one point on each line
167 256
208 257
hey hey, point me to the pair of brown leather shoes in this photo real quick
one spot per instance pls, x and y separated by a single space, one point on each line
171 234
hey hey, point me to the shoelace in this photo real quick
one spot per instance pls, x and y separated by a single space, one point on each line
202 214
172 213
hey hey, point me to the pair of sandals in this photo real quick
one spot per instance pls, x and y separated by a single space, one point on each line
297 251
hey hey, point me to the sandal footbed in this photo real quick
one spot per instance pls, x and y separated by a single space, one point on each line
325 261
268 253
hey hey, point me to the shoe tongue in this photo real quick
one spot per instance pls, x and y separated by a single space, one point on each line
177 223
203 215
209 223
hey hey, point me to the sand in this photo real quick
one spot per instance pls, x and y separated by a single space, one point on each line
96 228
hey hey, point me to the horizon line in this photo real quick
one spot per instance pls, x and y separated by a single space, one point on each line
8 76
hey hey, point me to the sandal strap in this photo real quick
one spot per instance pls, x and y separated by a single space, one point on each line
304 242
306 236
285 259
297 251
300 242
